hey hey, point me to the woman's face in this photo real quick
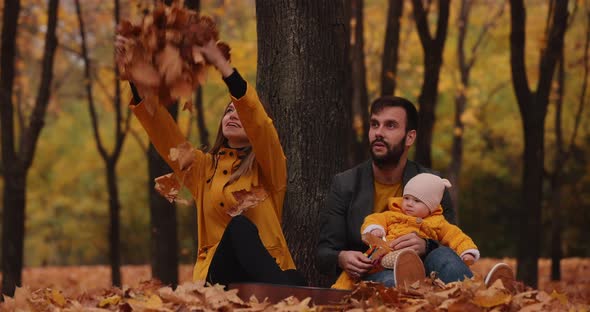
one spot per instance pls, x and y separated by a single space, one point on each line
232 128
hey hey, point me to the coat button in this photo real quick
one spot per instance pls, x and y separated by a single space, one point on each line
418 220
221 204
224 171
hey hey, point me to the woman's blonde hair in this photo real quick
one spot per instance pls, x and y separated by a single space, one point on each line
248 157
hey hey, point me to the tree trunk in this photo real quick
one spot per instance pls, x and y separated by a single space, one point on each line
18 164
432 48
114 230
360 97
203 134
391 47
163 218
302 71
460 103
13 227
533 109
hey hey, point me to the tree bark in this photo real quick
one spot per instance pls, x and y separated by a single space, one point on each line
163 218
17 163
360 97
465 64
391 47
533 109
563 153
114 229
460 103
110 159
302 76
556 178
433 49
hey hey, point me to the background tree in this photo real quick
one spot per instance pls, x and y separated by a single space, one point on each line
360 97
121 125
533 109
302 71
558 177
391 47
465 64
432 47
19 155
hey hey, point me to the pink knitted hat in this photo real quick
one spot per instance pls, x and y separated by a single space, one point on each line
428 188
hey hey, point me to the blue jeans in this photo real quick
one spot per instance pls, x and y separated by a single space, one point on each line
442 260
447 264
384 277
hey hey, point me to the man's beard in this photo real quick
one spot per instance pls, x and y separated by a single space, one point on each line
393 155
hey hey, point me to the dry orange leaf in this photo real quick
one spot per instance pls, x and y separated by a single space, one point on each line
168 186
494 296
161 52
184 153
247 199
112 300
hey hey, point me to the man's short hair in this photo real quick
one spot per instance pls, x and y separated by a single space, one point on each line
395 101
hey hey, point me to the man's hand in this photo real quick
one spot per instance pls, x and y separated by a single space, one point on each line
355 263
410 240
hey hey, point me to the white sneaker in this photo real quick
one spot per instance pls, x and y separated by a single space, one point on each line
406 264
503 272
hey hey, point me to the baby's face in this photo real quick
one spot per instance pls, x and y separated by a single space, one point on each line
412 206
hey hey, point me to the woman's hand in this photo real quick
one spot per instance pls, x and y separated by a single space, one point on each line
213 55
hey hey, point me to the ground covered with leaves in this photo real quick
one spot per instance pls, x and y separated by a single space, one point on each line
87 289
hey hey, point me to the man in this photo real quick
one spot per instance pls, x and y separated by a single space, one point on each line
364 189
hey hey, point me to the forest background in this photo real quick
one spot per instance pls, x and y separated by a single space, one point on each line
67 203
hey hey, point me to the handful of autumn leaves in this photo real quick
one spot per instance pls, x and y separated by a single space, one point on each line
161 54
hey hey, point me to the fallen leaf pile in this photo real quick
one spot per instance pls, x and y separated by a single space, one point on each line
428 295
469 295
161 54
148 296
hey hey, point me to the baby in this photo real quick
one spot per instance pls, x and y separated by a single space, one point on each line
419 211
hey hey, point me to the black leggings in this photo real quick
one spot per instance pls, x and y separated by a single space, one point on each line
241 257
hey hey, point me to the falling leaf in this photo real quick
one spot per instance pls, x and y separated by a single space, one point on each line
247 199
145 74
168 186
188 106
169 64
184 154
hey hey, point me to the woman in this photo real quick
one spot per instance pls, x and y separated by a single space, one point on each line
246 166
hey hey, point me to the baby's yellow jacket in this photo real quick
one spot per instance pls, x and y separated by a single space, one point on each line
395 224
